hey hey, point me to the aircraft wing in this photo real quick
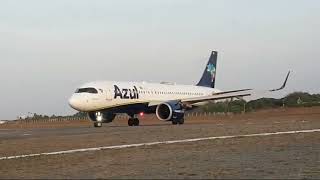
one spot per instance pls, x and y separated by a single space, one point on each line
229 94
222 95
218 96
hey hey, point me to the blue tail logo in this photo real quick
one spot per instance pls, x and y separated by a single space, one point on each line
212 70
208 78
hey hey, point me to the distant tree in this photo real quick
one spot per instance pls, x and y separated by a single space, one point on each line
53 116
264 103
295 99
301 99
238 106
224 106
80 114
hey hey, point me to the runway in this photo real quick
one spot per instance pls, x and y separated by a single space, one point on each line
155 143
277 145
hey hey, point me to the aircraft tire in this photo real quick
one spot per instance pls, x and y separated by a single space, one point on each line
131 122
136 122
97 124
174 122
181 121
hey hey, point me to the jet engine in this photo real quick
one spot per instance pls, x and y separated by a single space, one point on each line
170 111
104 117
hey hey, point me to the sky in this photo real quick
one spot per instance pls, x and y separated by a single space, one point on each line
49 48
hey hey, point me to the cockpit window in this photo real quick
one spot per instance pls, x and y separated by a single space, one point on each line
87 90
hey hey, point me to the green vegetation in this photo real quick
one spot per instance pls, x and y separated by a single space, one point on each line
303 99
40 116
296 99
80 115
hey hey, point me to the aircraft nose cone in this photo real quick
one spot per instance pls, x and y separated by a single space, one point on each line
74 103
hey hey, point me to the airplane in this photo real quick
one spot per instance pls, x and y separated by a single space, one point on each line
3 122
103 100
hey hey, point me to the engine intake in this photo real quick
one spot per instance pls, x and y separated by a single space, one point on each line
169 111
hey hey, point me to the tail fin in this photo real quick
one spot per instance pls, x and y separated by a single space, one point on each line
208 78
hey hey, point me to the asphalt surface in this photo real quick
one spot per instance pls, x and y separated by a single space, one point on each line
275 156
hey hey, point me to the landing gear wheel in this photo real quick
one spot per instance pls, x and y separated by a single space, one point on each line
98 124
133 122
136 122
130 122
174 122
178 121
181 121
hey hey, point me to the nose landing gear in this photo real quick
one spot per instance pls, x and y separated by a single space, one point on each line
97 124
99 118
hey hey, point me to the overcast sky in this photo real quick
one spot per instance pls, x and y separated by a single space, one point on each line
48 48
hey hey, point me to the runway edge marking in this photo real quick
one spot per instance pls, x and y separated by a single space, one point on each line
156 143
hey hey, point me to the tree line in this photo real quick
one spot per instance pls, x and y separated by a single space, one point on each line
296 99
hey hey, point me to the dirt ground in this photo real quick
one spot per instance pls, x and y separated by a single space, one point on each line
277 156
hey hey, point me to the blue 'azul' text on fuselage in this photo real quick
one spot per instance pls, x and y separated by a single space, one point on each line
126 93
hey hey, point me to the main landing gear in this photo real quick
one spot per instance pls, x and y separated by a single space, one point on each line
178 121
133 122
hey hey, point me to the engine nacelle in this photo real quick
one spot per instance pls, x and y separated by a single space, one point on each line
170 111
104 117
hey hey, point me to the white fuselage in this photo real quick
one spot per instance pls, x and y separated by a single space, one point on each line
108 94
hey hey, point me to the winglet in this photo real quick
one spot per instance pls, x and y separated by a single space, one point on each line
284 84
